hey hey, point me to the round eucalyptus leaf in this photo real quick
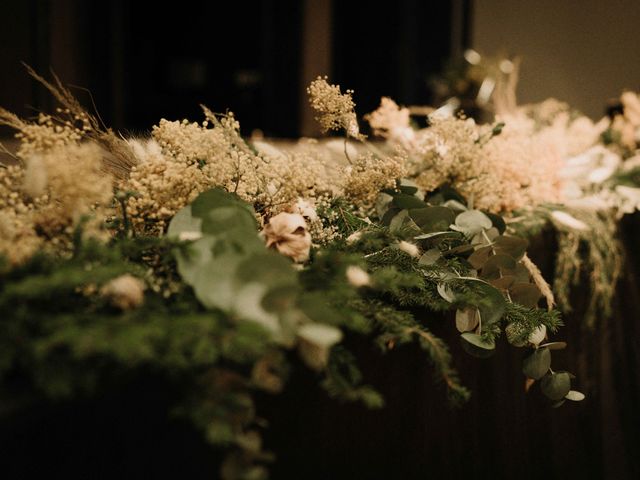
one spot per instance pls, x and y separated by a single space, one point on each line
497 221
320 334
223 220
556 386
498 265
455 205
268 268
574 396
555 345
437 235
404 201
444 193
526 294
408 189
474 345
478 258
182 222
538 335
522 274
537 364
382 203
389 214
191 258
445 292
430 257
492 303
485 237
213 281
432 219
471 222
509 245
217 198
404 225
467 319
503 283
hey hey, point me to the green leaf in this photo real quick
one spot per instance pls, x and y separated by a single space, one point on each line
268 268
402 223
213 281
320 334
474 345
555 345
190 258
513 246
446 292
408 189
389 215
444 193
478 258
504 282
497 222
491 302
498 265
402 200
556 386
438 235
526 294
382 203
467 319
432 219
182 222
430 257
228 220
574 396
472 222
316 340
216 198
537 364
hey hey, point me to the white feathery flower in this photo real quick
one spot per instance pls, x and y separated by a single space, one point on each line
409 248
357 276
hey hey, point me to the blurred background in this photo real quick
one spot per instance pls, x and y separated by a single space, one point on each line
142 62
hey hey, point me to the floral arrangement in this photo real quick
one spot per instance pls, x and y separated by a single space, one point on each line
217 262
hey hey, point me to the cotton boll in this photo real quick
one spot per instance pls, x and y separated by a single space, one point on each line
288 233
124 292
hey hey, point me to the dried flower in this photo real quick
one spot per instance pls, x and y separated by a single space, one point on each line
392 122
287 233
335 109
124 292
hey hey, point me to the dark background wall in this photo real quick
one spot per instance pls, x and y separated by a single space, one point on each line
142 62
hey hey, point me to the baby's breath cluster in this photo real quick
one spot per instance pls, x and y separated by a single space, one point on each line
370 174
41 204
516 167
335 109
185 158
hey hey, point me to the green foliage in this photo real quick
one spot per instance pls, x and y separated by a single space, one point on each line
222 314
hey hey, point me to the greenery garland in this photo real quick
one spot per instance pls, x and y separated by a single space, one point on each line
215 306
